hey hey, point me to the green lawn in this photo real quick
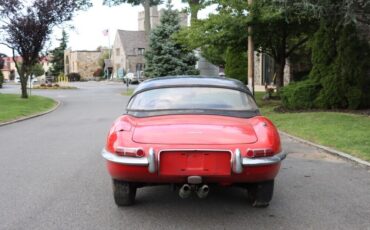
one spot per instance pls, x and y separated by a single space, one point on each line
13 107
346 132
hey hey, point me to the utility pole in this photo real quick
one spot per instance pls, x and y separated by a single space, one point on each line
250 56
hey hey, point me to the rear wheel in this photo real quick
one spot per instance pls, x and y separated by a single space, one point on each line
124 193
260 194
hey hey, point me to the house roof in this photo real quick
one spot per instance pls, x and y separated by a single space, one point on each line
131 40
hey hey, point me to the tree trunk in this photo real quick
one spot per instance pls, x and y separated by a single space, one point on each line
194 9
21 71
280 65
147 26
23 86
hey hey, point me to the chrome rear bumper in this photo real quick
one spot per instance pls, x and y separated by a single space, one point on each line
238 162
250 162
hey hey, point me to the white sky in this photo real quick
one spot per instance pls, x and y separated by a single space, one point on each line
88 25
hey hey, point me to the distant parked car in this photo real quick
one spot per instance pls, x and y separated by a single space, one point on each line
130 78
17 79
193 132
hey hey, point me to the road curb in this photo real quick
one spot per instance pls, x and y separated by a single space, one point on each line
331 151
34 115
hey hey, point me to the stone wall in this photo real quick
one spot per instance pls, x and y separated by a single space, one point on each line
83 62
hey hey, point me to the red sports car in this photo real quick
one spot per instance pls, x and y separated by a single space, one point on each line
193 132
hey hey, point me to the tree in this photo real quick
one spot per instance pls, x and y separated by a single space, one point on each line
57 61
195 6
27 27
1 67
145 3
236 64
165 56
278 31
37 70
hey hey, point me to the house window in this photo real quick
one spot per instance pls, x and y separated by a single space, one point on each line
140 51
117 52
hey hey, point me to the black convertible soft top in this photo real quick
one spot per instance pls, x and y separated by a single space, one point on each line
191 81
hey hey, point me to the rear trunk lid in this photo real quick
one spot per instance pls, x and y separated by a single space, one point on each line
207 130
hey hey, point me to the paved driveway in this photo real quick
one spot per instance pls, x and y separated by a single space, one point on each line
52 177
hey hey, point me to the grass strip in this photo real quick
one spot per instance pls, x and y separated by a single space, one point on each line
13 107
345 132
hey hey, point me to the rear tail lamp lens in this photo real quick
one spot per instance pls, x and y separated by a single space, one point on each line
253 153
130 152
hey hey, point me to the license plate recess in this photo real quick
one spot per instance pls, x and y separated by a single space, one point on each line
200 163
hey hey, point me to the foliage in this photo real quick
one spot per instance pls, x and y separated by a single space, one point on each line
57 61
98 72
299 95
195 6
165 56
277 30
340 68
236 64
1 79
37 70
27 27
74 77
104 55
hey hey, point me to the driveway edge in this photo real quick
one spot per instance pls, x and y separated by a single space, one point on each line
34 115
331 151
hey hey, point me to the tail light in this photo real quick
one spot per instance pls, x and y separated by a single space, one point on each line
130 152
253 153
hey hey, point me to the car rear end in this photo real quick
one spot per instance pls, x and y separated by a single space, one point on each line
192 147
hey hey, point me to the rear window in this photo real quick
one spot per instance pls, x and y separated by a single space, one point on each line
192 98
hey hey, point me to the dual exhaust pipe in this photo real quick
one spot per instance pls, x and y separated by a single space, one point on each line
186 190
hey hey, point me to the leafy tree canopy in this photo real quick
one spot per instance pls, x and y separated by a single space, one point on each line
58 55
165 56
27 27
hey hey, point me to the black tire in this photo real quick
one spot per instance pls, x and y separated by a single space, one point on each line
124 193
260 194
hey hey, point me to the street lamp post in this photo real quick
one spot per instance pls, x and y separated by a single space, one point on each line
250 56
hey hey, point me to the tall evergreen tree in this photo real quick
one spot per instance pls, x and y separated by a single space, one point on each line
58 56
165 56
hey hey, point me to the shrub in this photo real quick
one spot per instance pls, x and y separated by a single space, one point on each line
74 77
340 68
98 72
300 95
56 85
42 85
49 85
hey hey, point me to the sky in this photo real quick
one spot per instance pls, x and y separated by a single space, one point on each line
85 31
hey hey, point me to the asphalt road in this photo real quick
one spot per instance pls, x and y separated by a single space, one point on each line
53 177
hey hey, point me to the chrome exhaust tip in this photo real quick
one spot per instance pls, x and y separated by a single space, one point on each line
203 191
185 191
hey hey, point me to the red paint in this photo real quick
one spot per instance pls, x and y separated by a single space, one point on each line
195 163
207 132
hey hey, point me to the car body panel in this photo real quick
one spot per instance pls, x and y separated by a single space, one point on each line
215 147
193 130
